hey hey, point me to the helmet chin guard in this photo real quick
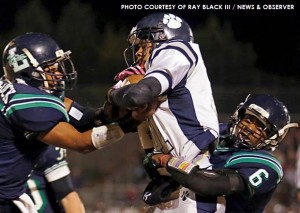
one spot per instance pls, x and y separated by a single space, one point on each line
270 118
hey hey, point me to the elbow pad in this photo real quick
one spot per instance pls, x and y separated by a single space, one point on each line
136 95
82 118
62 187
219 182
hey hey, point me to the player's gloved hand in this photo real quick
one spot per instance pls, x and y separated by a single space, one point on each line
161 159
154 164
128 123
151 166
144 112
110 113
161 189
136 70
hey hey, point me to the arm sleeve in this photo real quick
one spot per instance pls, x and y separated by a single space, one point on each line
136 95
82 118
209 182
62 187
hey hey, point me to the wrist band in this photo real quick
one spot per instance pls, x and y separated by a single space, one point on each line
181 165
106 135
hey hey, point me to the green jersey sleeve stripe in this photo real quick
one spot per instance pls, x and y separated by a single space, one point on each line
33 104
256 158
19 97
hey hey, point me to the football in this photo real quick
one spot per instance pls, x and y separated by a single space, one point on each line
132 79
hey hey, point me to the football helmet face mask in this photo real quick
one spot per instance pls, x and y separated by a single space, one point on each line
261 122
156 28
36 59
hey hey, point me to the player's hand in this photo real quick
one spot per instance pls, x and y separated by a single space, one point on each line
154 164
113 112
161 159
136 70
109 113
144 112
151 167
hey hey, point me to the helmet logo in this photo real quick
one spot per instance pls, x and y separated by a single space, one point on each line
172 21
16 61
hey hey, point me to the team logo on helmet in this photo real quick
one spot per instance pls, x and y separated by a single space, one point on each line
17 61
172 21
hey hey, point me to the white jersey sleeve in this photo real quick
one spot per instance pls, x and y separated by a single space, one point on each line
298 168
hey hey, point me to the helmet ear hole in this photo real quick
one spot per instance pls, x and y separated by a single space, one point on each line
241 113
162 36
25 75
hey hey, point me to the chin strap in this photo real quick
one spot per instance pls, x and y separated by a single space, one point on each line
283 131
289 126
33 61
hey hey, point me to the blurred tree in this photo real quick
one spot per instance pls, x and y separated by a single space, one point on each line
33 17
97 51
113 43
76 30
227 60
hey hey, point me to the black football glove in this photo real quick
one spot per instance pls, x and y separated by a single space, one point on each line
151 166
128 123
160 190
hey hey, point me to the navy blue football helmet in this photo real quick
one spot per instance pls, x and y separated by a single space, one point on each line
36 59
260 122
157 28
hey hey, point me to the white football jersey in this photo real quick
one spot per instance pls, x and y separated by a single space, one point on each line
187 121
298 169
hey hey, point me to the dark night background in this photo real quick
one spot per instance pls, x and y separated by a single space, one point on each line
245 51
275 34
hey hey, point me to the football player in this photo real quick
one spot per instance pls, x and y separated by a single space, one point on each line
244 169
50 185
35 114
185 122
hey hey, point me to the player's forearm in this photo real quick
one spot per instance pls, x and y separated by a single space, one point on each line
76 141
65 136
72 203
208 182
